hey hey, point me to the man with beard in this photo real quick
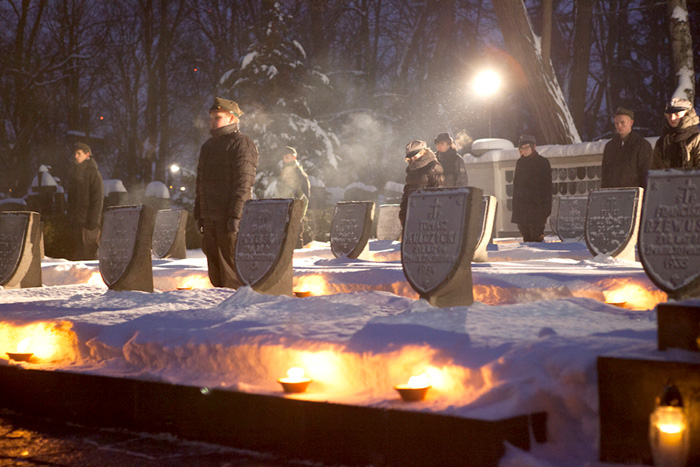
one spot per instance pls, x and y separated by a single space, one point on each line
85 200
452 163
225 176
423 171
532 191
679 144
626 156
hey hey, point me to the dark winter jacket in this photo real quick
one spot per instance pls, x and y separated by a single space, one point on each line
225 175
85 195
424 172
532 190
678 147
625 161
294 183
453 166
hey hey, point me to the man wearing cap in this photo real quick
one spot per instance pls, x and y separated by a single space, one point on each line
679 144
423 171
85 199
626 156
532 191
452 163
225 176
294 183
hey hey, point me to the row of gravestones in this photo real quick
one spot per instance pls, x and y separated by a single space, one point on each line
444 230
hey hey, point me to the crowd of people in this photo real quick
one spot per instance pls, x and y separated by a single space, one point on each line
228 163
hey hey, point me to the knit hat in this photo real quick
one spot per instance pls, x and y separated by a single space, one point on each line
677 105
623 111
444 137
226 106
414 147
82 147
527 139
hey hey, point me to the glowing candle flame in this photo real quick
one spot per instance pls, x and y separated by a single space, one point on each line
669 428
295 374
23 346
420 381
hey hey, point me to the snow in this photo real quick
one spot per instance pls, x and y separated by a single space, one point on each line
528 343
113 186
157 189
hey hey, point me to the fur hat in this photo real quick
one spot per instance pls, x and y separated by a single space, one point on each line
623 111
227 106
677 105
82 147
414 147
444 137
527 139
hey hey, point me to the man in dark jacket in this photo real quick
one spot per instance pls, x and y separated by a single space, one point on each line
452 163
225 176
679 144
85 199
423 171
532 191
626 156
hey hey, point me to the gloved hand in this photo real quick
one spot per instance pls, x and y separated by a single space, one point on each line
200 226
232 225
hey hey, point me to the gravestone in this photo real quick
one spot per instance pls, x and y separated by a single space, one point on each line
612 222
571 219
265 245
169 234
125 248
389 224
440 234
350 229
20 255
488 215
553 217
669 237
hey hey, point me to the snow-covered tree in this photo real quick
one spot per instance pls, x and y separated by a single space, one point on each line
277 89
682 46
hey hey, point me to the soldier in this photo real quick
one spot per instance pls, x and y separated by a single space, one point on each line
626 156
532 191
85 199
294 183
225 176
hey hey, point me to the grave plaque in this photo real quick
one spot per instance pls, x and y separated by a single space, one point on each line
351 228
20 255
265 245
571 219
389 224
612 222
669 237
169 234
488 215
440 234
125 248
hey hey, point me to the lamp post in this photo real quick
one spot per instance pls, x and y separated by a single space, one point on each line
486 83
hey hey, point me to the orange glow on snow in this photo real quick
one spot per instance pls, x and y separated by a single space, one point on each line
634 295
96 280
49 341
315 284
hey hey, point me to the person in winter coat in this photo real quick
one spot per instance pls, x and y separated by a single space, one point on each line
226 171
679 144
294 183
626 156
85 200
452 163
532 191
423 171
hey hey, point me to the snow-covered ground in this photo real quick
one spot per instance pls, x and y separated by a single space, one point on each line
529 342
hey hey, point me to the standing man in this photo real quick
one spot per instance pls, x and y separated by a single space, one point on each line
423 171
294 183
452 163
679 144
85 199
626 156
225 176
532 191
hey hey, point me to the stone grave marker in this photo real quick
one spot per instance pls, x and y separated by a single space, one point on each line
20 255
389 224
440 235
265 245
669 236
612 222
351 228
571 218
125 248
169 234
553 217
488 215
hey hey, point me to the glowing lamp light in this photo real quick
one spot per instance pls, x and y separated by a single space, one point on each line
416 388
295 382
668 429
174 168
21 355
487 82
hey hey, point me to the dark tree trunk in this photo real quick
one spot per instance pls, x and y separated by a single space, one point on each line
583 28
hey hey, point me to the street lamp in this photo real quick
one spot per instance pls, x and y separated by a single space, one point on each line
486 84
